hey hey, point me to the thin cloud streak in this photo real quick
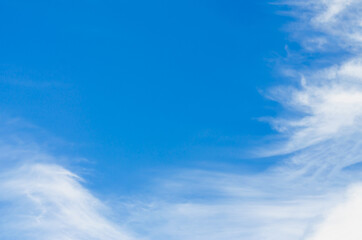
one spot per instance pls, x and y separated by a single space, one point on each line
39 199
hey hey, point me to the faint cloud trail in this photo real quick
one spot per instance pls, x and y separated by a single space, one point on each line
48 202
40 199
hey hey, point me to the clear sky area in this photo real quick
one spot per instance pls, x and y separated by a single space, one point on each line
138 85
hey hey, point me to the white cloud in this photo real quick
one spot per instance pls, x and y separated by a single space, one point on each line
343 221
334 22
41 200
330 9
209 205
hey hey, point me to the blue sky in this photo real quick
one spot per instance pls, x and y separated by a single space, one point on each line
174 120
135 85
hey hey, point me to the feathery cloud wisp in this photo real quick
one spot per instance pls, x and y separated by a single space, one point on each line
42 200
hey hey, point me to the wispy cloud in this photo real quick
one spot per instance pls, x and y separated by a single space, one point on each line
48 202
39 199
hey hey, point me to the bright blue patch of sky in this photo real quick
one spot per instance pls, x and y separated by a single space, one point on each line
140 86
